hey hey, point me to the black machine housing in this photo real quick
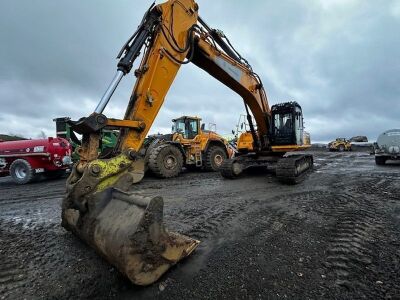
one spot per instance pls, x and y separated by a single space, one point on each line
287 124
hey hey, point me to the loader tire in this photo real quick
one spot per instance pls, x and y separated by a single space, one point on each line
21 171
165 161
341 148
215 156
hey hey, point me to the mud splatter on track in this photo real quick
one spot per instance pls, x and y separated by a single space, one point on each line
335 236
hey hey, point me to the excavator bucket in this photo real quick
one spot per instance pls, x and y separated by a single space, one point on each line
125 228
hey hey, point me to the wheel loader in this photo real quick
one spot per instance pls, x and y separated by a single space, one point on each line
103 205
189 145
340 144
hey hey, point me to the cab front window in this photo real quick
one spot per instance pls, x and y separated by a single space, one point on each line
283 123
187 127
180 126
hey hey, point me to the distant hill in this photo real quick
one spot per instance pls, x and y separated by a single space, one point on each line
6 137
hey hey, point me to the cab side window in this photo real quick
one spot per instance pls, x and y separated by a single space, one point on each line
191 129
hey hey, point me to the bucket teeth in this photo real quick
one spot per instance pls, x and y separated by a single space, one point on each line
128 230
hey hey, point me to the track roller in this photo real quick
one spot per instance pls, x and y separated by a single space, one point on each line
292 169
231 168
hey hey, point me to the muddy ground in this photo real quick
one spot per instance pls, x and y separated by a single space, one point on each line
335 236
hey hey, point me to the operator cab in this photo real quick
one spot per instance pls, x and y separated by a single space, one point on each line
187 126
287 124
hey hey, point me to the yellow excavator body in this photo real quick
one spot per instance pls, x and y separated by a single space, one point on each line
124 226
245 143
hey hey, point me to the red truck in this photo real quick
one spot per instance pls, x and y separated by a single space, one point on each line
26 159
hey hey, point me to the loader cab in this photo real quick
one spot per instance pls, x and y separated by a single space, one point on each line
189 127
287 124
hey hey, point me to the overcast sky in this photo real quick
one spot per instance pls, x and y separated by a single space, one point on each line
340 59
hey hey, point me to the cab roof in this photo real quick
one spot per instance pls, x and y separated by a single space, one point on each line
186 117
285 106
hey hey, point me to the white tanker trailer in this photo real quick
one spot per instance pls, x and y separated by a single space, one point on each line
387 146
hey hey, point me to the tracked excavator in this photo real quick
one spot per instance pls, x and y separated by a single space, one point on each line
101 205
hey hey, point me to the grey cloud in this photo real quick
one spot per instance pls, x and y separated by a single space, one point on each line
338 59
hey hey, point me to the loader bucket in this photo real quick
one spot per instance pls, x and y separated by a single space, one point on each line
127 229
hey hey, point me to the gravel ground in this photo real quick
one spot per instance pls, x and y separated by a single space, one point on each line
334 236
